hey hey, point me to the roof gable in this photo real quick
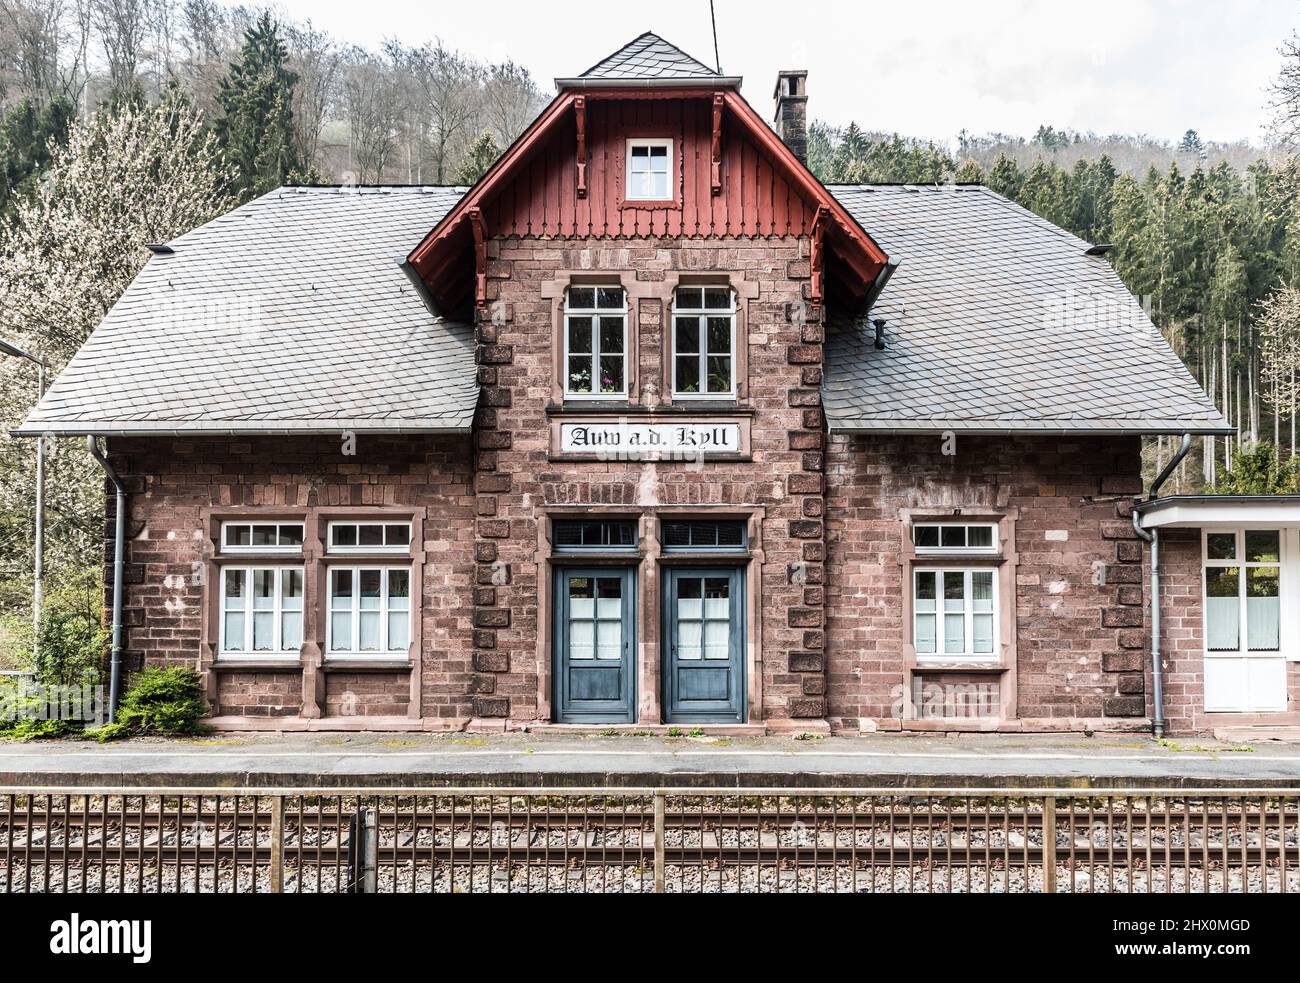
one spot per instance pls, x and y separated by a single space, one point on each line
442 258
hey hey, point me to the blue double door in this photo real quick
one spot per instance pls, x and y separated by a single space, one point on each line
703 638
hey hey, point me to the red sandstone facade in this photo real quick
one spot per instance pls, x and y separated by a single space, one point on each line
819 606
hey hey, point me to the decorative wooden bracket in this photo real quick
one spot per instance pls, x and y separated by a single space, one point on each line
580 114
815 254
717 143
479 228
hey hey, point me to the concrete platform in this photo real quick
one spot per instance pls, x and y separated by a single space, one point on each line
894 761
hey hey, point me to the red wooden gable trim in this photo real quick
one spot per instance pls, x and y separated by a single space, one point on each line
437 257
804 179
580 116
533 135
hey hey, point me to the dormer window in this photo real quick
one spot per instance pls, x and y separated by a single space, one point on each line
649 169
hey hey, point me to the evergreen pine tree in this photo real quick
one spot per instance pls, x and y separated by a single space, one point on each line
256 97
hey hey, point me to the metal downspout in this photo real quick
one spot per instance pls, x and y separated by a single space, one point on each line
1153 538
119 570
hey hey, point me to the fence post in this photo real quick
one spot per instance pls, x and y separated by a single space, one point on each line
370 844
659 842
1049 844
277 844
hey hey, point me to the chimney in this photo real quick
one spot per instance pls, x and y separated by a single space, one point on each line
792 110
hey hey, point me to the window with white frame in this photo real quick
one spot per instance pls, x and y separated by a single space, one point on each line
595 342
261 537
649 170
704 343
261 611
952 537
369 611
1243 574
369 537
954 614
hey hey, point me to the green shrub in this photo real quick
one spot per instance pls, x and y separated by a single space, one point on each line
163 700
106 733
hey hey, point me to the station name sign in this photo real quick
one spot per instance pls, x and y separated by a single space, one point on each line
620 440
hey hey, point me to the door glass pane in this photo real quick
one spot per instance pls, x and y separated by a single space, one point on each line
609 639
1221 545
717 639
1222 608
1263 546
582 611
690 611
717 591
1263 607
609 612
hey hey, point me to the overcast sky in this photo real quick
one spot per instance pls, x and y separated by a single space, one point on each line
924 68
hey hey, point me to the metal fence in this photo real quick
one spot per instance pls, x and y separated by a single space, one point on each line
610 840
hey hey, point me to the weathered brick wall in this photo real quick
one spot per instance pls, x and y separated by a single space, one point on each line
1080 643
171 481
516 482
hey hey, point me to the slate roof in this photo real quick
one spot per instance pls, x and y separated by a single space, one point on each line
289 313
648 57
998 321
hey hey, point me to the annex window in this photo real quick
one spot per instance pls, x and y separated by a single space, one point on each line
595 342
1243 573
369 611
649 170
953 613
705 536
704 343
261 537
261 610
572 536
936 537
369 537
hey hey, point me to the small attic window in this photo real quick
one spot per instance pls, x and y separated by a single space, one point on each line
649 169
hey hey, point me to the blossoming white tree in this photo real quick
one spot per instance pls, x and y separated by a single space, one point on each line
135 175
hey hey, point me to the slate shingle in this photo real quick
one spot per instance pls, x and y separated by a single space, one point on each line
649 57
997 320
288 313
